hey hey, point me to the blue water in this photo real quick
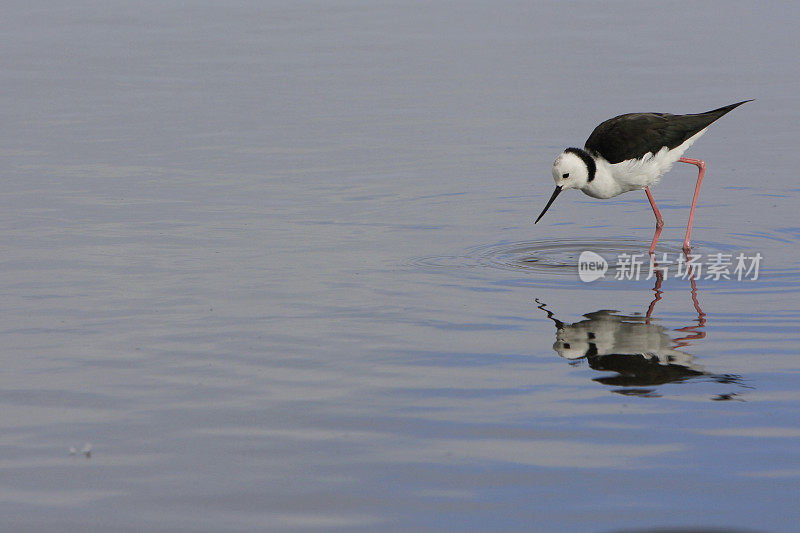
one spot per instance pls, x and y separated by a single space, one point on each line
272 267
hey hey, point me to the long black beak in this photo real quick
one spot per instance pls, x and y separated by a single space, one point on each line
549 202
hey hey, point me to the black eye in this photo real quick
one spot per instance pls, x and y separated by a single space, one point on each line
565 175
566 345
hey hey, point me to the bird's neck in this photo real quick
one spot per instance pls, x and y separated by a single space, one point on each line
603 185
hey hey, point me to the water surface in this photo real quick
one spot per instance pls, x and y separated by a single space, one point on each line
276 264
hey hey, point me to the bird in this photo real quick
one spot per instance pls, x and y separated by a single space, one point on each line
641 352
633 151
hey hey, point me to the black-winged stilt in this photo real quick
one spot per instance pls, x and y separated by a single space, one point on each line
632 152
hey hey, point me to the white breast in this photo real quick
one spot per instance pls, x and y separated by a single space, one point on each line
612 180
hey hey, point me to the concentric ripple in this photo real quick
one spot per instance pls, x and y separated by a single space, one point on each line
561 256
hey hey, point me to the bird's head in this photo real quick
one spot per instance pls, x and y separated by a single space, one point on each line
570 170
572 343
573 169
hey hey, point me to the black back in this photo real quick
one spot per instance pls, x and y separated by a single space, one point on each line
635 134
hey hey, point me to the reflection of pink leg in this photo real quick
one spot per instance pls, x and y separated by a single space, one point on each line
701 319
659 220
702 170
656 289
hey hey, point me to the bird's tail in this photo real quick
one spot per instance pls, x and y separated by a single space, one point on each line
716 113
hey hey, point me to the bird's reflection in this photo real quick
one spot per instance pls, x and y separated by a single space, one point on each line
641 353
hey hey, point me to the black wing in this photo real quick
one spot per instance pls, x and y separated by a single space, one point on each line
635 134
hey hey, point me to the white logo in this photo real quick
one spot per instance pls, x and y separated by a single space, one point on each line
591 266
719 266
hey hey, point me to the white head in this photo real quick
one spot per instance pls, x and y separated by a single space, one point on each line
573 169
570 171
572 343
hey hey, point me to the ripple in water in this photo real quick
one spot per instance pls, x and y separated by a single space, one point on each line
560 257
545 256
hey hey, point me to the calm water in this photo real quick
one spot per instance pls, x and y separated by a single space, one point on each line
271 266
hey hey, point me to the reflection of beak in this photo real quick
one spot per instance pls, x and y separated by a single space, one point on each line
552 199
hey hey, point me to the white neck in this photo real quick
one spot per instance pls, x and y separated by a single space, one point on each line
603 185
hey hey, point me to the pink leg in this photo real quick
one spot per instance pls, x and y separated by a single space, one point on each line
702 170
659 220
